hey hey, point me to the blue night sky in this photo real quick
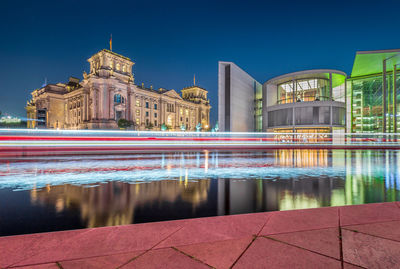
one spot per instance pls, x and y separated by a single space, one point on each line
170 41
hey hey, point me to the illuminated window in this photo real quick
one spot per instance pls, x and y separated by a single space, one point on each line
112 65
117 98
187 112
137 112
181 110
137 102
123 68
117 66
137 121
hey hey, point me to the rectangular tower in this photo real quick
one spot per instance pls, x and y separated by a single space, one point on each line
237 92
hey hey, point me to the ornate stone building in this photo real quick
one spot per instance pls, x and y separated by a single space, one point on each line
108 93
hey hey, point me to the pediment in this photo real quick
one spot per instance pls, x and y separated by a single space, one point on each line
173 94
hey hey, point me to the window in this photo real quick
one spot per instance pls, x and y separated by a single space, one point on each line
147 113
124 68
155 123
187 119
112 65
147 104
117 66
155 115
137 112
147 122
187 112
181 119
312 115
117 98
181 110
137 121
155 106
281 117
137 102
123 100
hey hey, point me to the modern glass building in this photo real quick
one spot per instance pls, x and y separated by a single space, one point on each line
311 101
315 101
373 95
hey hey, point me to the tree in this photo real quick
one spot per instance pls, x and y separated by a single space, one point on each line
123 123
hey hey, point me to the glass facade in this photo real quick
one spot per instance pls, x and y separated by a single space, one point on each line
312 115
280 117
304 90
366 104
258 100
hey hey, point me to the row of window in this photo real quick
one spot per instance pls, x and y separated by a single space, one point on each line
307 116
147 122
74 105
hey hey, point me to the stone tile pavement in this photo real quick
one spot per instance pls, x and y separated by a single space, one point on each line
361 236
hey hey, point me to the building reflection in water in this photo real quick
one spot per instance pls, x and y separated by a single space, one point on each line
369 176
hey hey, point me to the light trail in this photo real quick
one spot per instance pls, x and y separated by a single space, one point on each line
49 142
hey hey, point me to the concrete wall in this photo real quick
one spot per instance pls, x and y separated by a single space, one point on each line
235 98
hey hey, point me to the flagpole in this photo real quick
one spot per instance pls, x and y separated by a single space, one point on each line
111 42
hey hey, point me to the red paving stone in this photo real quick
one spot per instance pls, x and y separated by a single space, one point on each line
302 220
350 266
14 249
220 254
370 251
217 229
111 261
370 238
324 241
369 213
165 258
388 230
267 253
106 241
40 266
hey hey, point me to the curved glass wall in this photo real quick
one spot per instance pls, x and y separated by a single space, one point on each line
304 90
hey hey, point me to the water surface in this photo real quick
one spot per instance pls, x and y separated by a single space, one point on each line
40 194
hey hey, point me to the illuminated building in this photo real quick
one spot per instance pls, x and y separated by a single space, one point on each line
239 100
314 101
373 91
311 101
108 93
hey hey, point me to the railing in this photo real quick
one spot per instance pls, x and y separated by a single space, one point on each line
305 99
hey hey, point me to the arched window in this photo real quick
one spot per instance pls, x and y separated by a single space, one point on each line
117 98
124 68
117 66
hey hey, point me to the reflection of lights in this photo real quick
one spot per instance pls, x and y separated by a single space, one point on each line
206 161
59 205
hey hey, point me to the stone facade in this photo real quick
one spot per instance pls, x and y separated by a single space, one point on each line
108 93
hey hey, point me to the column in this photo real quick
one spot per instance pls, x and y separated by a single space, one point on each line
384 101
394 99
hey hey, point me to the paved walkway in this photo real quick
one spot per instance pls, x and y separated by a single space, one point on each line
334 237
